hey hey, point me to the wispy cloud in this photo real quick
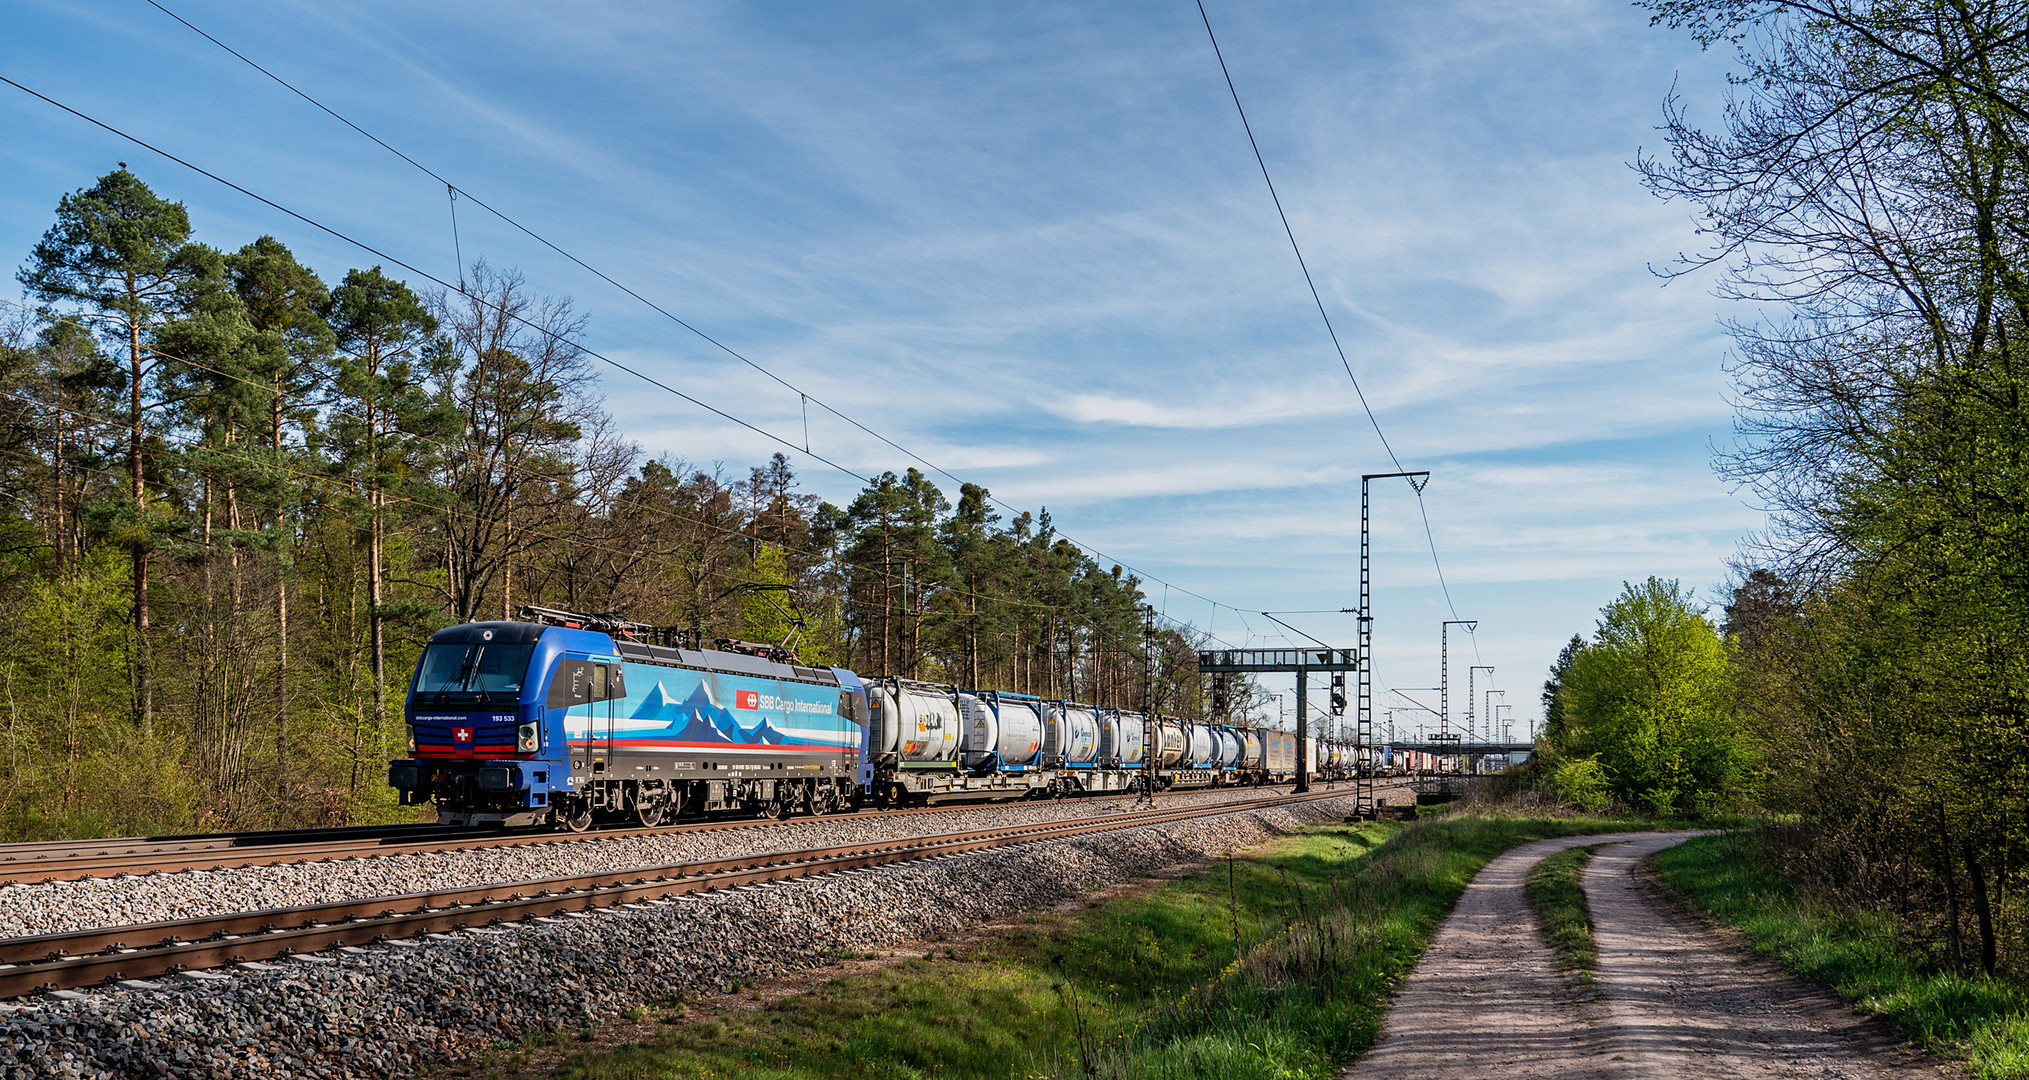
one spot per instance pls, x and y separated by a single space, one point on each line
1030 244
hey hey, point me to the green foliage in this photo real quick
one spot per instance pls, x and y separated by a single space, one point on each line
235 502
75 764
1583 783
1649 703
1880 636
1553 690
1857 950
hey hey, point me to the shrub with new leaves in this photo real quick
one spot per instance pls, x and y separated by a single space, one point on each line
1649 700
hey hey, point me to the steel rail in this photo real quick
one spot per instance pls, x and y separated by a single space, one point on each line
108 847
112 954
231 851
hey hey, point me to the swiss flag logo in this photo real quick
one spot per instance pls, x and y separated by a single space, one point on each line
747 699
463 734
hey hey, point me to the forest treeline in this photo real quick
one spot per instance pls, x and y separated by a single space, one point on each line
1867 193
236 497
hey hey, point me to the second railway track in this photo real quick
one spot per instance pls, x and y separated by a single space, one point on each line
109 955
73 860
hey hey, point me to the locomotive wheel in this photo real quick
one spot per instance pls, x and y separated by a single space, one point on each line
651 812
774 808
576 817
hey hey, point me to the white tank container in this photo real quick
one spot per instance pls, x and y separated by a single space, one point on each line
1130 738
1174 743
1253 750
884 723
1021 731
1203 745
1055 729
1229 749
927 725
1078 732
981 728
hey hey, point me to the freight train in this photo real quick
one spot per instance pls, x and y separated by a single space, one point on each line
566 719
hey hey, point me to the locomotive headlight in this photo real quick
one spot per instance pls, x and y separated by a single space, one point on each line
412 742
527 739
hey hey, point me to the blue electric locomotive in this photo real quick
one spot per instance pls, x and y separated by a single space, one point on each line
517 723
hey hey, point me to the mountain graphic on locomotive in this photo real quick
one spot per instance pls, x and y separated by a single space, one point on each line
564 719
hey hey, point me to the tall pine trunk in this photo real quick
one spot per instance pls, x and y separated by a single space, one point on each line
144 699
373 610
281 603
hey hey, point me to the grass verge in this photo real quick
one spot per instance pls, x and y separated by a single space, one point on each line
1557 893
1274 964
1855 953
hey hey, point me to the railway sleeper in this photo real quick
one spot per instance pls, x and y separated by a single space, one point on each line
597 894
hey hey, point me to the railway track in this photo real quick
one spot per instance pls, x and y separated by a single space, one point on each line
74 860
23 861
95 957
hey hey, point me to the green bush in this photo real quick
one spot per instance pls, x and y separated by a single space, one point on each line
1583 784
1647 710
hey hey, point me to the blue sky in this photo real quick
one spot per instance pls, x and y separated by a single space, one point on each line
1030 243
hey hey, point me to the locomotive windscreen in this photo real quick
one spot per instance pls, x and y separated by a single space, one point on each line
473 668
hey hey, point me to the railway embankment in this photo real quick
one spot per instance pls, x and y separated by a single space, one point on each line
127 899
1276 963
398 1007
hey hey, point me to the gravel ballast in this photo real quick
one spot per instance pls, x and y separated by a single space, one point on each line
392 1009
64 906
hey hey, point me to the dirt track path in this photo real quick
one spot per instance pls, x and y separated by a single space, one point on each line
1671 999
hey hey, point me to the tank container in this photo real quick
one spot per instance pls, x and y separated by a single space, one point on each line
1129 737
1072 733
1121 737
926 723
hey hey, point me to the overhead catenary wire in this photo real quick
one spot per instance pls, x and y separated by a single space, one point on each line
1317 299
663 513
807 397
511 316
341 484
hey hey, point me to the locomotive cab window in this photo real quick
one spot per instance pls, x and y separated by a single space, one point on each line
453 668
